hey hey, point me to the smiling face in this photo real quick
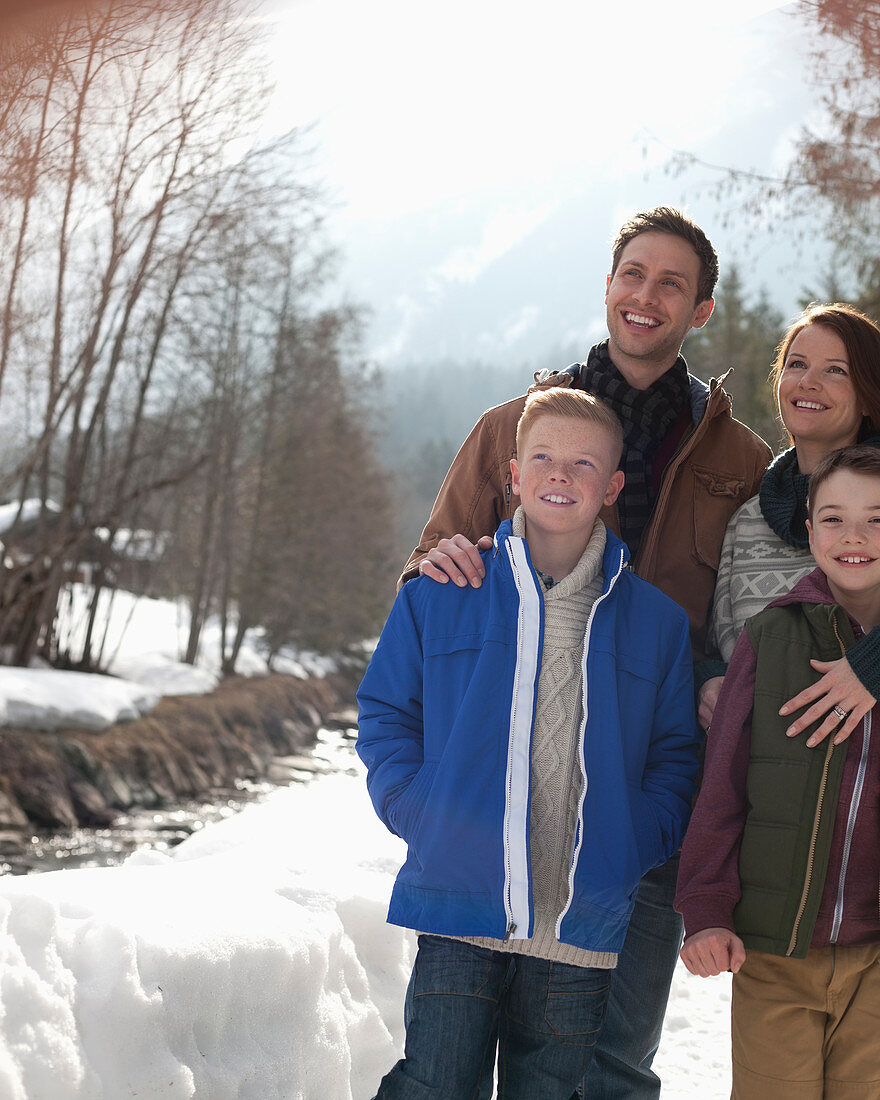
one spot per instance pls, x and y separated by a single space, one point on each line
565 472
651 305
817 401
844 534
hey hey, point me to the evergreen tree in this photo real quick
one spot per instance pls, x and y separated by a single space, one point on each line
744 337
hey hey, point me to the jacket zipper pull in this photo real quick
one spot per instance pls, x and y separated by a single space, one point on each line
511 928
507 494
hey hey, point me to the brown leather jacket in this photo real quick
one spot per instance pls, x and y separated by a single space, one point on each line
717 467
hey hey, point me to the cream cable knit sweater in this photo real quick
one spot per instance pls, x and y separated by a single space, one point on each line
555 770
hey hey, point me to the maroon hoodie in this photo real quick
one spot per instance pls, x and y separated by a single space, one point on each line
708 881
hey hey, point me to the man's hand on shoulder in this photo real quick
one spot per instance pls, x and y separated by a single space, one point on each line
713 951
456 559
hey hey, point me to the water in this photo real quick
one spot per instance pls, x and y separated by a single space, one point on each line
164 829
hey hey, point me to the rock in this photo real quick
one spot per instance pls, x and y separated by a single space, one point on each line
300 763
113 788
90 807
186 747
283 773
11 814
345 719
49 804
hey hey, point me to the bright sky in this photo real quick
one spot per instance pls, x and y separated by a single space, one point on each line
482 153
419 102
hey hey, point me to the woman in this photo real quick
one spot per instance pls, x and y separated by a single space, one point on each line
826 379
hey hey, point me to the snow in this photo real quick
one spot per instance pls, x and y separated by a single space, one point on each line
24 511
143 639
137 543
50 699
144 635
252 963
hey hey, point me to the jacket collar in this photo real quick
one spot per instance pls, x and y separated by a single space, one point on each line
813 588
614 560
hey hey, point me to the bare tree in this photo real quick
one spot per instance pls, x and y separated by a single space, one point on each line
835 168
117 170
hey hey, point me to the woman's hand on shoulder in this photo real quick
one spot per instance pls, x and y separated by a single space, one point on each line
840 696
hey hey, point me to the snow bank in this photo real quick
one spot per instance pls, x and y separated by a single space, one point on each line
143 639
49 699
254 963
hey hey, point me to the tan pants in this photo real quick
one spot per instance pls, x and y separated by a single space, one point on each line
807 1029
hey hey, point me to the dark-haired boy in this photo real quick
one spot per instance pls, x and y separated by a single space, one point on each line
780 869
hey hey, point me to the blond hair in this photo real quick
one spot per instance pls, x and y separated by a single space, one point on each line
573 405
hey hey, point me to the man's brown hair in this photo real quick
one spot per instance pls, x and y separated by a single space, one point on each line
666 219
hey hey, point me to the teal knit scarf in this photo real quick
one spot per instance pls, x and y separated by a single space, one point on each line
783 496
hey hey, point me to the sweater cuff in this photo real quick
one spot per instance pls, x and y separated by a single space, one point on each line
706 911
705 670
864 660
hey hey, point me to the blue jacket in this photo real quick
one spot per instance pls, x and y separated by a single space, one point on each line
446 713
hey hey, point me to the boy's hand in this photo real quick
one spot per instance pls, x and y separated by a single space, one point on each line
456 559
838 690
709 693
713 951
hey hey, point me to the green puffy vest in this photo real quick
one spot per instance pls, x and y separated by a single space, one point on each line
791 791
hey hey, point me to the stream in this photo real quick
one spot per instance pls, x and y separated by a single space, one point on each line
163 829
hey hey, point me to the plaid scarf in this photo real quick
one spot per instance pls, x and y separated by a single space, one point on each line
646 416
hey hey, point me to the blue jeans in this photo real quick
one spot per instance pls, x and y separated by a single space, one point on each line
544 1017
621 1067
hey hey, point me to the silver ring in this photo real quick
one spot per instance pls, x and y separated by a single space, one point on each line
840 712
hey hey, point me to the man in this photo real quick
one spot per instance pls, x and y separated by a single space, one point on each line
689 465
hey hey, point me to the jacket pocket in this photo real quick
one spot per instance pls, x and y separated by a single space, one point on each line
716 497
408 808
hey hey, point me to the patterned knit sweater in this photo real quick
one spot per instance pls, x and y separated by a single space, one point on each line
756 566
556 776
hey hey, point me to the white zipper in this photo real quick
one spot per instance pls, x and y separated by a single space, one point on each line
850 827
517 873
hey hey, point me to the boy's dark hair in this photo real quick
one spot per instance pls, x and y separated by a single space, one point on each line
666 219
571 405
861 459
861 338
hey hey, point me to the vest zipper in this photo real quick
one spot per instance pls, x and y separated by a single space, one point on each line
811 856
808 878
850 827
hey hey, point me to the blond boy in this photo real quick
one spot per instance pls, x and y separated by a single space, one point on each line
534 743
